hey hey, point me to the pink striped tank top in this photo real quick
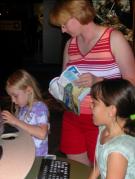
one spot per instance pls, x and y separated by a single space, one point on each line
99 61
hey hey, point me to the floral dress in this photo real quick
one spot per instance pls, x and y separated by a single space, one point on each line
37 115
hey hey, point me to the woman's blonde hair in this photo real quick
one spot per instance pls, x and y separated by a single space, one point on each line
21 79
66 9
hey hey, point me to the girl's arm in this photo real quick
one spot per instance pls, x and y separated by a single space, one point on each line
116 166
39 131
94 174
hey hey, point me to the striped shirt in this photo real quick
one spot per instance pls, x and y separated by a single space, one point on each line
99 61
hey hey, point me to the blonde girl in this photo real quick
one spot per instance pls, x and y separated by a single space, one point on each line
31 113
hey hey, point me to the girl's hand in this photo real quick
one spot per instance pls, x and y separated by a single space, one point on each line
8 117
87 80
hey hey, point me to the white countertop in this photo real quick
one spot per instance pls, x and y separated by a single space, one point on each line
18 156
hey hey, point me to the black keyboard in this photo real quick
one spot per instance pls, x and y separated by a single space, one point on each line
8 128
10 132
54 169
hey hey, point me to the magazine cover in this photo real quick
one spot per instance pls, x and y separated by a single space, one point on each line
63 88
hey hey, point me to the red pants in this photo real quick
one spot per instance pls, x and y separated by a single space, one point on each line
78 135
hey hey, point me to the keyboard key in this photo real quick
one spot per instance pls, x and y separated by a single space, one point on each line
54 169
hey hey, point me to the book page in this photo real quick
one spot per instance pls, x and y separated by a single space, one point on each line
64 89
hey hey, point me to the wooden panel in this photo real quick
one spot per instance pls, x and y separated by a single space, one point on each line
10 25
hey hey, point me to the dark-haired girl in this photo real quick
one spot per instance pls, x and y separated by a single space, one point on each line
113 107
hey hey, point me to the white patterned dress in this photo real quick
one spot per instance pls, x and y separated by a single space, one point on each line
37 115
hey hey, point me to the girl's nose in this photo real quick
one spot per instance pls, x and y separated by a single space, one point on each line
13 100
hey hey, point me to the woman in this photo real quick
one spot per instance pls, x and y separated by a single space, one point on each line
98 52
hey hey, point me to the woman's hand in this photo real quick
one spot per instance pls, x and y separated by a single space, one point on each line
8 117
87 80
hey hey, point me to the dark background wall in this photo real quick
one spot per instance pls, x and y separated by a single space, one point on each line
23 45
52 47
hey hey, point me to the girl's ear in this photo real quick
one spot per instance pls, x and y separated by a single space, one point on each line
29 89
112 111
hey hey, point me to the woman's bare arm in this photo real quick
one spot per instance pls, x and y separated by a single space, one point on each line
65 55
123 53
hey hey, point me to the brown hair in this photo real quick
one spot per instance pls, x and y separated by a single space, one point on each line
82 10
121 94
